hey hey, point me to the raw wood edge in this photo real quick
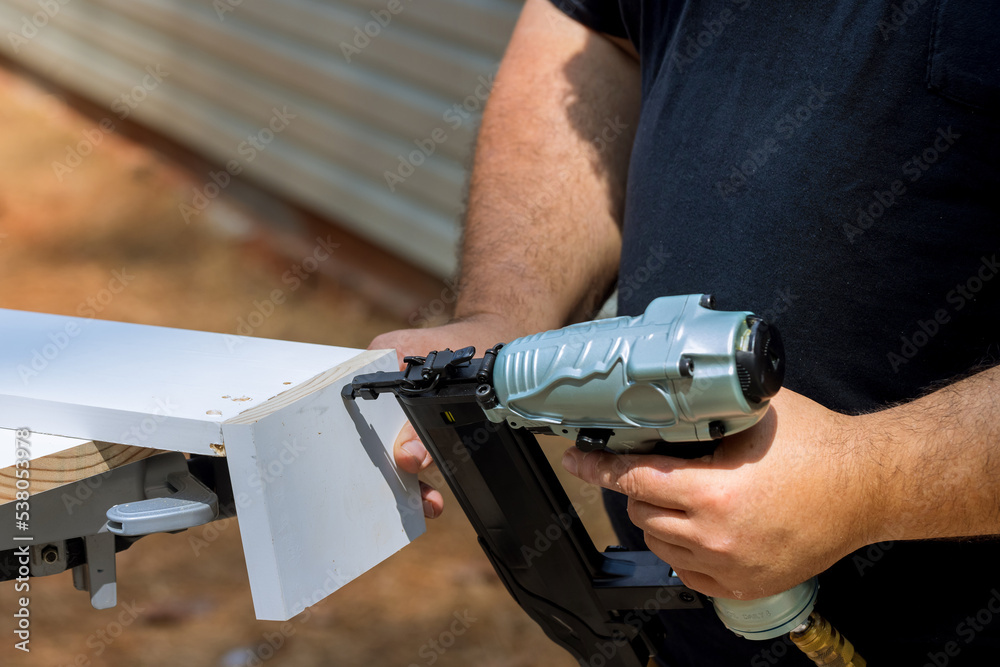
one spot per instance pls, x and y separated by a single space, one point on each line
302 390
72 465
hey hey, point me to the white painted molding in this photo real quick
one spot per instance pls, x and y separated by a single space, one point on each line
41 445
318 498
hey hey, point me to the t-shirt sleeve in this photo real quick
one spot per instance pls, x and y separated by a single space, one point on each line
600 15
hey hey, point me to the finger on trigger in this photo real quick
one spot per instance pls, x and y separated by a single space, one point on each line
600 468
659 480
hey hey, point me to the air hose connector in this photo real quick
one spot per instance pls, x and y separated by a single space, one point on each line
825 645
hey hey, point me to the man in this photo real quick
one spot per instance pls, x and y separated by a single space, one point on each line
833 166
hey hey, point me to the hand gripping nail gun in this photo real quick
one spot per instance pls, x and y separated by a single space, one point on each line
681 372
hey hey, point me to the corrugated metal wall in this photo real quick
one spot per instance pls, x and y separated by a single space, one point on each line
363 110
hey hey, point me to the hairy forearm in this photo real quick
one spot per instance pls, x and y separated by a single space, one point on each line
542 234
936 462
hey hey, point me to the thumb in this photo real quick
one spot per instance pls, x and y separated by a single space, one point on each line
409 452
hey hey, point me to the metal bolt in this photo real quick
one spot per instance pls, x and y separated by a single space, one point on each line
686 366
50 554
486 396
686 597
707 301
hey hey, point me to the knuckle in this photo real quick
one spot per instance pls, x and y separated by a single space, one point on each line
716 499
719 545
635 482
698 581
383 340
657 545
593 470
638 512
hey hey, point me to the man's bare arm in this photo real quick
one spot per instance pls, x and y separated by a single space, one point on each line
542 236
542 233
937 462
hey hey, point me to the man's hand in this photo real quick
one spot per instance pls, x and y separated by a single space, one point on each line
786 499
483 331
770 508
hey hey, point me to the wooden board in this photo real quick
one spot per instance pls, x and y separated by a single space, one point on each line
318 497
71 465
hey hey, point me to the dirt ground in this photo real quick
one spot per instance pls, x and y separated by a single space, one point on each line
184 599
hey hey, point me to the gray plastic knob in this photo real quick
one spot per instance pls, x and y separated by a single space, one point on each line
191 504
769 617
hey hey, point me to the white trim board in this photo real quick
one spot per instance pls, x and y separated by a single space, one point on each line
318 498
39 445
142 385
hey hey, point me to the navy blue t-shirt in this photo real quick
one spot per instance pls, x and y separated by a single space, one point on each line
835 167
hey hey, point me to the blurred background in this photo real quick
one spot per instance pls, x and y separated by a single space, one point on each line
197 151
